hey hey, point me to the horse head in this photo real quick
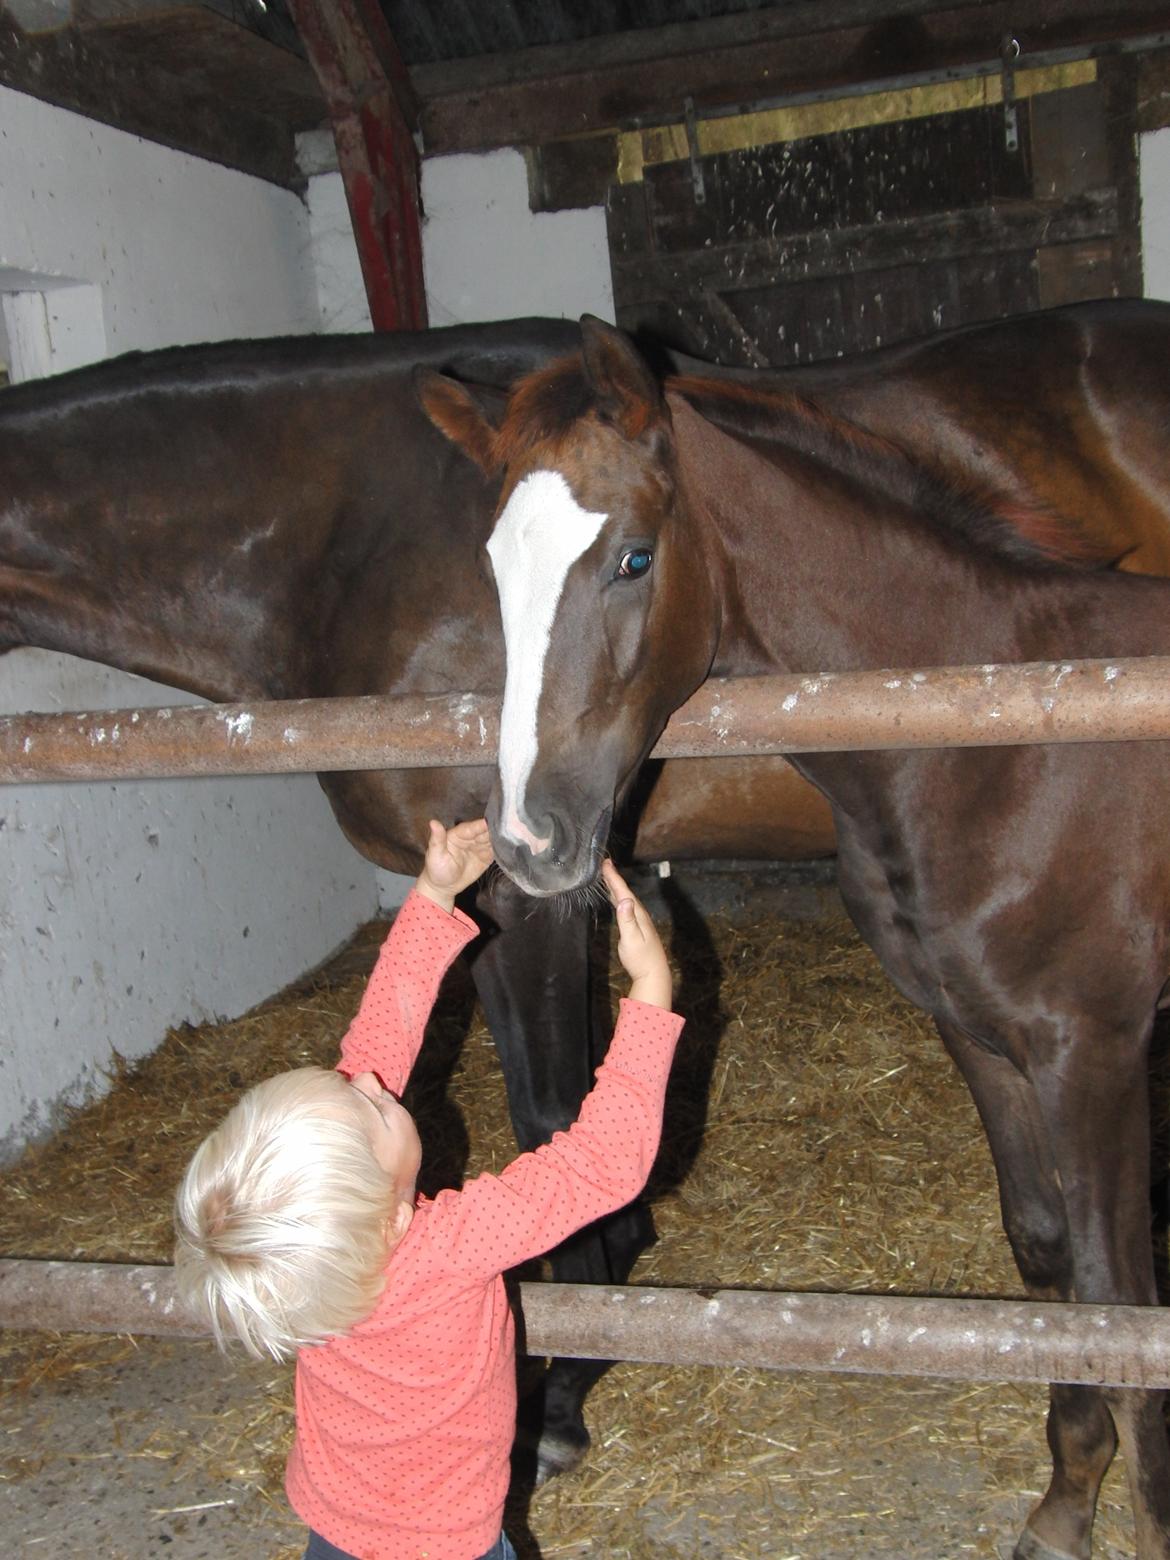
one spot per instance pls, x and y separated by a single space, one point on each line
606 588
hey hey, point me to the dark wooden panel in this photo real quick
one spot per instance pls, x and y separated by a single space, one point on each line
842 242
991 230
571 175
806 322
1153 108
860 178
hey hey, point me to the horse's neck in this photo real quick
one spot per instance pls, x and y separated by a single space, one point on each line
179 540
817 576
74 581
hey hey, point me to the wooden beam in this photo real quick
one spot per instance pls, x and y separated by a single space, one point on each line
362 79
184 77
640 78
794 257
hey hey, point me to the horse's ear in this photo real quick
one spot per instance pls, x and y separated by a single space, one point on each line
463 414
626 389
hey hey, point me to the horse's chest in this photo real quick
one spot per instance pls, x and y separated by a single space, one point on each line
1007 891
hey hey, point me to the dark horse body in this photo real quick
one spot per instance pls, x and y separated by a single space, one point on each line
1021 896
279 519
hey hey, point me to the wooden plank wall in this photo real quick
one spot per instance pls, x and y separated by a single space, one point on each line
811 247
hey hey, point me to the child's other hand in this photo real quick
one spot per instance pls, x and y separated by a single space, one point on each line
455 858
639 948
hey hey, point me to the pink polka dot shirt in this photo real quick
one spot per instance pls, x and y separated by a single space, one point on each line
405 1424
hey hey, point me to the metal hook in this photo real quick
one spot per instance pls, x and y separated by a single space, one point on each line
697 184
1009 53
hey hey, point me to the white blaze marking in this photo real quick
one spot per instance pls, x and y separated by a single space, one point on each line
540 534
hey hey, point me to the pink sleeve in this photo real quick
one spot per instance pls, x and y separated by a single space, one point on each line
388 1029
594 1168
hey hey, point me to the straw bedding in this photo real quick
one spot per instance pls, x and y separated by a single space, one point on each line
817 1137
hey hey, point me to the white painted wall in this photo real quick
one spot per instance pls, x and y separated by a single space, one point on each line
181 249
486 256
129 908
1154 164
126 909
341 293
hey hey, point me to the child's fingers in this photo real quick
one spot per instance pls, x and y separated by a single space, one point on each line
471 829
436 846
472 835
634 926
619 891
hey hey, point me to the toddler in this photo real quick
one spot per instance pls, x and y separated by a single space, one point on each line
299 1229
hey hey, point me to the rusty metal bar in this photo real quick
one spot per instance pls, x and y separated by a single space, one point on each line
882 1335
981 706
279 737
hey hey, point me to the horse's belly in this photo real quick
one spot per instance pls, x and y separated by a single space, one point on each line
733 809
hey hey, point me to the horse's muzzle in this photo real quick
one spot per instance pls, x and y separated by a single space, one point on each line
564 864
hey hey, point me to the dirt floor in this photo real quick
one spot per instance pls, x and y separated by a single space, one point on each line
817 1138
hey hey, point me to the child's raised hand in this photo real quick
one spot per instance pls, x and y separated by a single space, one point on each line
639 948
455 858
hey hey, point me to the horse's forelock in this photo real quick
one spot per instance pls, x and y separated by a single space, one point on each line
542 408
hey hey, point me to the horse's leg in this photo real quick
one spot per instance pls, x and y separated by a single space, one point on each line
1095 1099
1081 1435
532 977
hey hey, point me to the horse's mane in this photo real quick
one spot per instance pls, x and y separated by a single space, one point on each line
1030 534
546 404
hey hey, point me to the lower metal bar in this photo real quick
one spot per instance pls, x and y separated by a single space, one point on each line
980 706
881 1335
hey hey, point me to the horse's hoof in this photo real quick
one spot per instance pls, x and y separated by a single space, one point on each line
558 1454
1032 1548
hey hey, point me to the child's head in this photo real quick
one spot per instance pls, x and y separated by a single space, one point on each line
286 1214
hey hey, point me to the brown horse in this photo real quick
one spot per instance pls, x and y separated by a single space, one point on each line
648 538
279 519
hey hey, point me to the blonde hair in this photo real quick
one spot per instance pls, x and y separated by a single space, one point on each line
281 1217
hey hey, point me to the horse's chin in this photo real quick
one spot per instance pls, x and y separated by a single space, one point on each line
548 880
548 885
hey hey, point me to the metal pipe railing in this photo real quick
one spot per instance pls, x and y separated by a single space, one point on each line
886 1335
995 705
979 706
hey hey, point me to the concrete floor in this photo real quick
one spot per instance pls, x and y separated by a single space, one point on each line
138 1450
116 1456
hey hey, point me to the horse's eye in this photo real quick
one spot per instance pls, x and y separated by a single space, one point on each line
635 563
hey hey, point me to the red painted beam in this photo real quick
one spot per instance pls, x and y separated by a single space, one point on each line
371 107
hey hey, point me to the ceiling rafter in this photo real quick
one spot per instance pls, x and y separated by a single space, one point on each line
223 79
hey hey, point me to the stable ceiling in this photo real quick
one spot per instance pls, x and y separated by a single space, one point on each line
227 79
